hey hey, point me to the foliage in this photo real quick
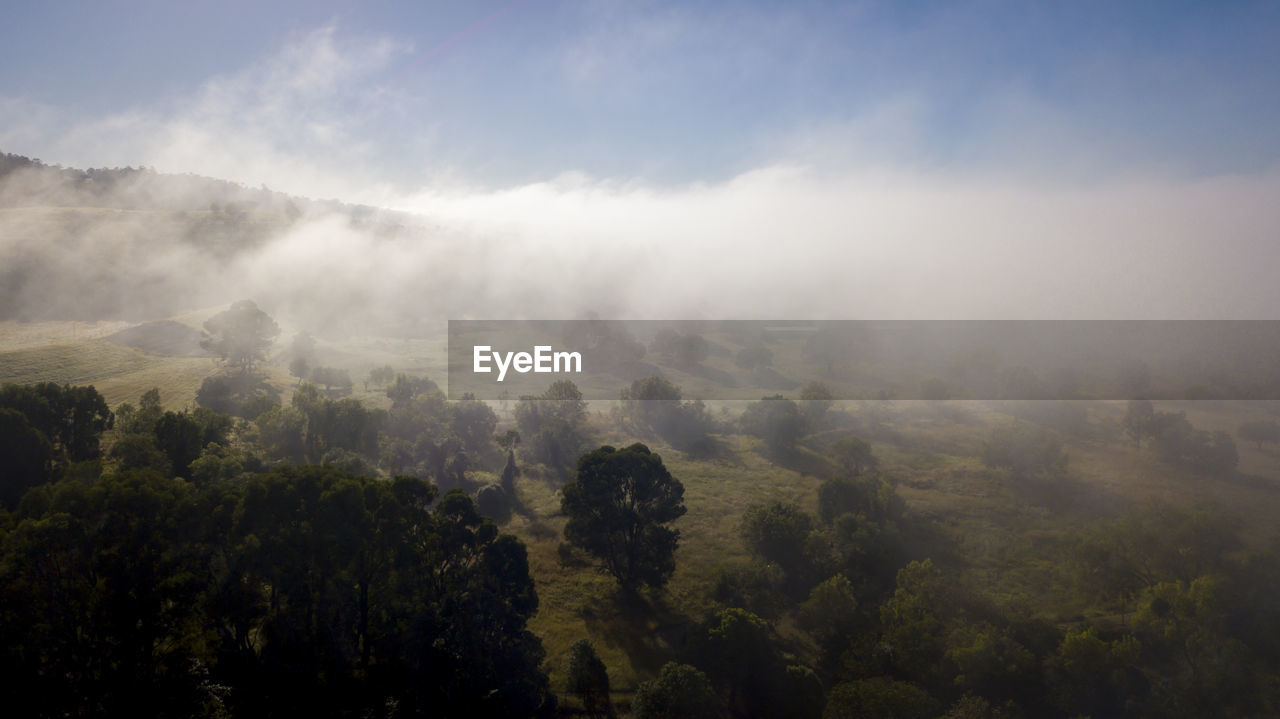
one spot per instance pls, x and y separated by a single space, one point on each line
553 425
330 377
305 591
778 533
914 621
852 455
736 651
751 586
1175 440
240 336
1026 451
653 404
588 679
381 376
26 457
680 691
776 420
870 497
880 698
830 615
472 421
815 400
72 418
619 508
493 502
1116 559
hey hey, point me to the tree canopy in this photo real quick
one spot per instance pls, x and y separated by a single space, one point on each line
240 336
619 508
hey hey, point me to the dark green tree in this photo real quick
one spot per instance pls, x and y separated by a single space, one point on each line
852 455
776 420
72 418
735 649
588 679
680 691
778 533
26 457
181 438
880 698
619 508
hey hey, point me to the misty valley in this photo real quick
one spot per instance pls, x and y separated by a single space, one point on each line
237 479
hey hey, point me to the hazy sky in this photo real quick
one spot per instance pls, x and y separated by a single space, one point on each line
944 159
507 93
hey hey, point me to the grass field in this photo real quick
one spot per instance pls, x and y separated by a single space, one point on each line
1006 538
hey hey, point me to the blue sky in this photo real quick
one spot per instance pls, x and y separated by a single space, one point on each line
937 160
667 93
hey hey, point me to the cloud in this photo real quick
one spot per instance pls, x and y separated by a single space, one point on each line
297 119
850 219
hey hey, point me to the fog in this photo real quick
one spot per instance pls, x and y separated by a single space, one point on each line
827 224
779 242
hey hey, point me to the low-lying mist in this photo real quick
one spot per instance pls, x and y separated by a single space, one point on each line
782 242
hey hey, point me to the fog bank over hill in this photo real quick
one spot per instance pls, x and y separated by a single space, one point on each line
780 242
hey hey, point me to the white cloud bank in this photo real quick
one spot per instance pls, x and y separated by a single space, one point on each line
791 239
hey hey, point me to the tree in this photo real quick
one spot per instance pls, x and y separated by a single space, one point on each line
870 497
509 473
816 400
680 691
781 535
381 376
331 377
619 507
830 615
914 620
240 336
852 455
777 533
26 457
473 421
588 679
880 698
553 425
653 403
181 438
776 420
1139 420
300 368
72 418
1174 439
736 651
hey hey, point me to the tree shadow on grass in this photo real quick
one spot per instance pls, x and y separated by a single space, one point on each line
643 625
801 460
